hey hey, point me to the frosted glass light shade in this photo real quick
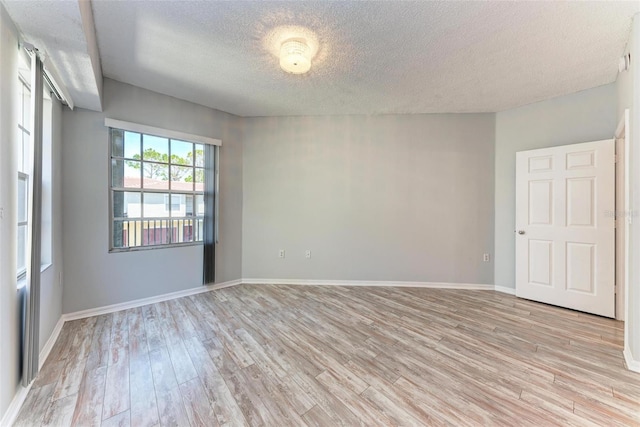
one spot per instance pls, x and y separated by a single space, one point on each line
295 56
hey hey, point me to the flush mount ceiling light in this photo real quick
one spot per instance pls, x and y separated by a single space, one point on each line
294 47
295 56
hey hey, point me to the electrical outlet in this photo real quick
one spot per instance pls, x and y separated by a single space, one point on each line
307 253
486 257
281 253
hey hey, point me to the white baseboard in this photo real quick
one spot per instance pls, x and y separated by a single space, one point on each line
18 400
632 364
201 289
505 290
16 404
302 282
146 301
44 353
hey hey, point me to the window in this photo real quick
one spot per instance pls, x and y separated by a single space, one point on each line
157 191
46 230
23 222
24 143
24 168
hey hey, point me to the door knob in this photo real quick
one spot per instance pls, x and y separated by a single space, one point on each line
520 231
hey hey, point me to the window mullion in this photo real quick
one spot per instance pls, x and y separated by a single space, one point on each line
170 196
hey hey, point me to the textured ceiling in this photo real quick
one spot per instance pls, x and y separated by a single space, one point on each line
373 57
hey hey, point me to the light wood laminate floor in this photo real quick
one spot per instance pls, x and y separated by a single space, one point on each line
265 355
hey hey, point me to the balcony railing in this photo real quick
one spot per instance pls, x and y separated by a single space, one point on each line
129 233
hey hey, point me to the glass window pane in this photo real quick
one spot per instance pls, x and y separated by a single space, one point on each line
117 143
182 230
26 107
24 153
22 248
156 149
181 152
156 176
21 156
23 189
127 233
132 145
199 179
199 230
182 178
199 149
127 204
188 205
147 163
156 205
125 173
155 232
199 205
178 205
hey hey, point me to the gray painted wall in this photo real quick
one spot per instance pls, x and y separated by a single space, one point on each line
50 284
585 116
391 198
51 290
94 277
628 90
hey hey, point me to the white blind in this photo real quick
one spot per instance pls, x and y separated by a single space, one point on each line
165 133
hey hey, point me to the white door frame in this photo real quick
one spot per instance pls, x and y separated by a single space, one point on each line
623 220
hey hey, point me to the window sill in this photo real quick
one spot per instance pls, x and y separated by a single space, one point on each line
22 281
148 248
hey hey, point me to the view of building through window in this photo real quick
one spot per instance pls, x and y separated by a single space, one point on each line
157 190
24 146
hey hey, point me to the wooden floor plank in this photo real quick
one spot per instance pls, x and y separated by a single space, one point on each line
182 364
121 420
60 411
73 370
100 343
171 408
199 409
329 356
164 377
34 406
88 410
144 408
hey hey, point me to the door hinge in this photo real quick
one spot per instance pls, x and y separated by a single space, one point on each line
615 158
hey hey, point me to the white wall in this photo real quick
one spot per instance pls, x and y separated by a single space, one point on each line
391 198
94 277
628 91
51 290
584 116
9 313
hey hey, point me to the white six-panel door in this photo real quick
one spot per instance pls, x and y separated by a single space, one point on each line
565 201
